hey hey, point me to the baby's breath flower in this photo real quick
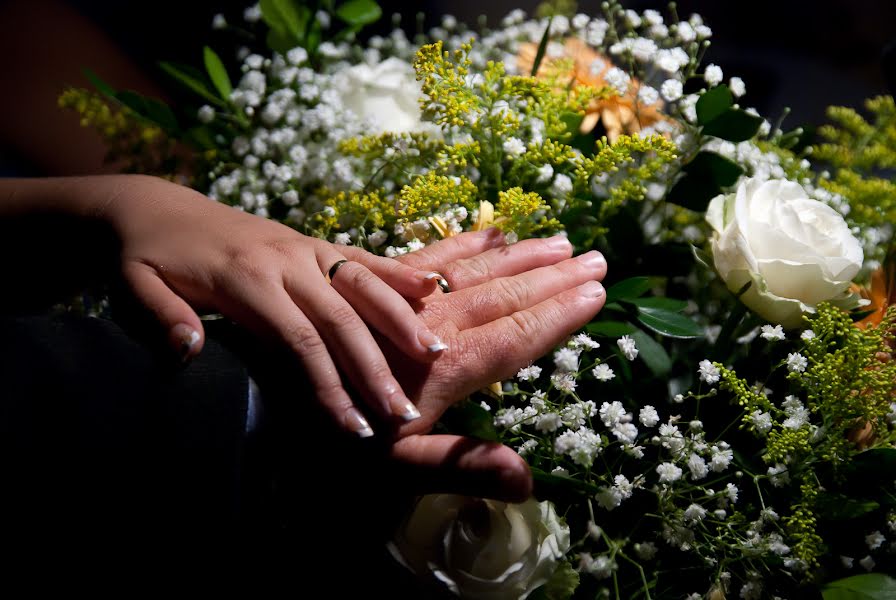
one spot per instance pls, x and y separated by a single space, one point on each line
603 372
708 372
583 340
527 447
648 416
564 382
874 540
628 347
671 90
668 472
612 413
772 333
778 475
697 466
796 362
713 75
514 146
529 373
548 422
868 563
762 421
645 550
694 513
566 360
737 87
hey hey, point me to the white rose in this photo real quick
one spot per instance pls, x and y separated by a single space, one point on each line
386 93
796 251
482 549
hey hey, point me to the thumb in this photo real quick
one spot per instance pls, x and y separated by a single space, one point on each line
178 320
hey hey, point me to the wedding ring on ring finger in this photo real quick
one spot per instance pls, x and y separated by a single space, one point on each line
331 273
440 281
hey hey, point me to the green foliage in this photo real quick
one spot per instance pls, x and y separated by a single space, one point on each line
871 586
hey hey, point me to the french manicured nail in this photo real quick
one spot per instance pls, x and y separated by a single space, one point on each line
186 338
431 341
432 275
355 421
591 289
593 259
558 242
404 408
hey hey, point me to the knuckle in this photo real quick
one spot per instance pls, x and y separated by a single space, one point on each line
525 324
342 317
478 266
515 292
303 339
357 276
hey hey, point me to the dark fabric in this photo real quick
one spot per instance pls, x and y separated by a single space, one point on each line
122 470
108 450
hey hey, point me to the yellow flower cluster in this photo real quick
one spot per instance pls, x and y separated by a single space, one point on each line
523 213
96 113
422 198
352 209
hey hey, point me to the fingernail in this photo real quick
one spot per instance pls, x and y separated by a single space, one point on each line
405 410
355 421
558 242
432 275
593 259
431 341
591 289
186 338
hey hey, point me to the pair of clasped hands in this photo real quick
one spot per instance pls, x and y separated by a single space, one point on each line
408 349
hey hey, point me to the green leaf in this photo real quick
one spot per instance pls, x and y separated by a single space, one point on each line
100 85
652 353
286 16
628 289
611 329
201 137
217 73
469 418
733 125
359 12
542 48
693 192
872 586
191 82
713 103
715 167
667 323
670 304
150 109
838 507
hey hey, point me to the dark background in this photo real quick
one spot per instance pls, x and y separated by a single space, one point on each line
795 53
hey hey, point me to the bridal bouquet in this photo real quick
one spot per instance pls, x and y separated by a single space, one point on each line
726 428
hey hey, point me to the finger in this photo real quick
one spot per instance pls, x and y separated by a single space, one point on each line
352 346
183 327
506 295
452 464
435 256
383 308
499 349
272 313
505 261
404 279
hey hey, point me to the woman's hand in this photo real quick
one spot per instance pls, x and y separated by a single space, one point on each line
509 306
181 250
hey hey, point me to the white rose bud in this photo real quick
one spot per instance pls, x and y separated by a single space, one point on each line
482 549
796 251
